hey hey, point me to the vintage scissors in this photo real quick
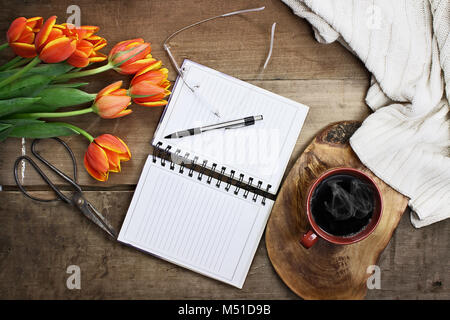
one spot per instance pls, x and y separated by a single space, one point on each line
76 199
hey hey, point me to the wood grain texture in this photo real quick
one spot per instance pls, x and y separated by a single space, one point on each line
39 241
329 101
326 270
326 80
237 45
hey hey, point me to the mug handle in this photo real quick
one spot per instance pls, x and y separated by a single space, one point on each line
309 239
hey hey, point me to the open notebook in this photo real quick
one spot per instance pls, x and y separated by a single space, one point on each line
212 222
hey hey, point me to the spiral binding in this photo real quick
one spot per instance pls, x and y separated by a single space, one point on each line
177 155
182 165
230 179
167 152
193 166
182 161
255 196
157 151
250 181
219 180
213 169
264 198
238 186
202 170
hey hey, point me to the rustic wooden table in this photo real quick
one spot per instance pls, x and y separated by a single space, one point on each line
39 241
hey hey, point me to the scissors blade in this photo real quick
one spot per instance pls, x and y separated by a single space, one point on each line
93 214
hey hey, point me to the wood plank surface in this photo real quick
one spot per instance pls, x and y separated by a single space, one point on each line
237 45
329 101
38 242
339 79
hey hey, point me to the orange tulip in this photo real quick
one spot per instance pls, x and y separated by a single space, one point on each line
112 102
104 155
52 44
87 46
130 56
84 55
97 44
149 87
21 35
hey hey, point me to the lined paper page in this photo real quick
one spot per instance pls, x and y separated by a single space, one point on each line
260 151
194 224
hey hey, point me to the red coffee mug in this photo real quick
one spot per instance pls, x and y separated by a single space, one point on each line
311 237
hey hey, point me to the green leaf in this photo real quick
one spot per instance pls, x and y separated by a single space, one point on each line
20 122
16 105
41 130
55 98
4 133
7 125
64 97
4 126
25 87
51 70
69 85
37 107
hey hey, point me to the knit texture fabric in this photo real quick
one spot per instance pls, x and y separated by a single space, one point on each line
405 45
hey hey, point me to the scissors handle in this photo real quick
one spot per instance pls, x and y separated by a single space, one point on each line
60 195
69 180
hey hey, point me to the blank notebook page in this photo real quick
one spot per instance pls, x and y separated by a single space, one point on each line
260 151
193 224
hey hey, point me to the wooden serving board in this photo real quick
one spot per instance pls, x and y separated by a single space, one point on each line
326 271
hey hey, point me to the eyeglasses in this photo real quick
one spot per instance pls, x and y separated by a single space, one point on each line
166 45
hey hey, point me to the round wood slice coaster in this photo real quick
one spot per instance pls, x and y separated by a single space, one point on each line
326 271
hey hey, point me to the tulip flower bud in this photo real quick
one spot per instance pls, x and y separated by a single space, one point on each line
112 102
149 87
21 35
130 56
87 45
104 155
52 44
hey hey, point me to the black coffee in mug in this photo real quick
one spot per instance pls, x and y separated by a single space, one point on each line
343 205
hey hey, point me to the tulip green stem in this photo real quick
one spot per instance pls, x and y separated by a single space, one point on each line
85 73
3 46
38 115
19 63
79 130
17 75
108 66
11 63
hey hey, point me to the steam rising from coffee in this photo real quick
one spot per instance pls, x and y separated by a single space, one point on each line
343 204
357 202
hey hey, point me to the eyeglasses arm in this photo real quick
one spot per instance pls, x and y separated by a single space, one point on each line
167 47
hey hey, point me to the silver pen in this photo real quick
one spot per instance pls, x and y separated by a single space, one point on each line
244 122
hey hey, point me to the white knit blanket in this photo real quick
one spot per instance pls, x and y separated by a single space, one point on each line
405 44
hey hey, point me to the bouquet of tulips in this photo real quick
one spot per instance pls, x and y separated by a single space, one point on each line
34 85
